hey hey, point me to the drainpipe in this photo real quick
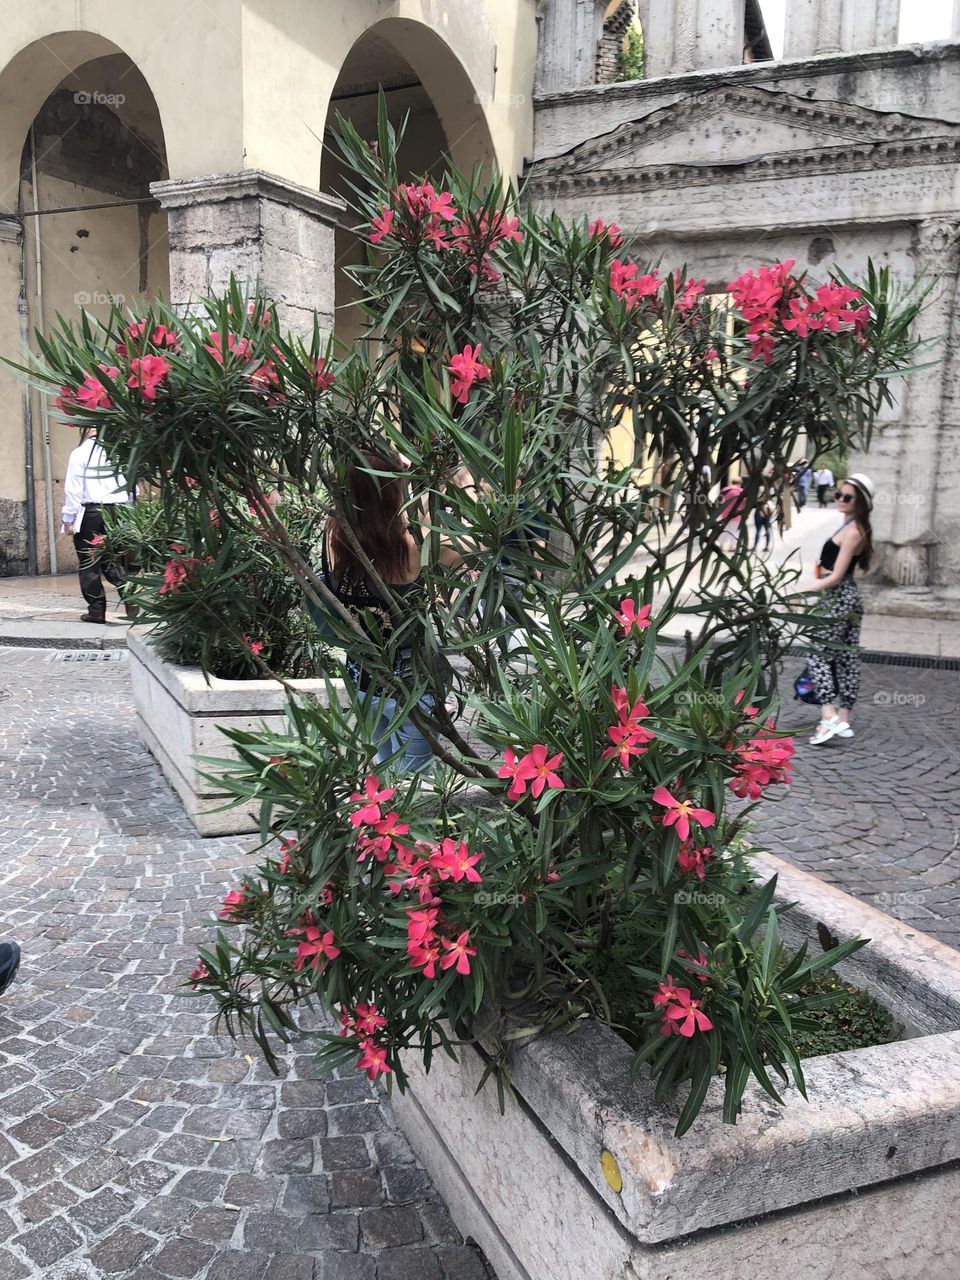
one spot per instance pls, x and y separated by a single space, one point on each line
28 467
44 414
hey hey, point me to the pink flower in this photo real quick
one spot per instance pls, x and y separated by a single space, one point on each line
679 813
424 956
466 369
66 400
238 348
539 771
323 379
692 859
370 799
687 294
97 540
368 1020
373 1060
599 231
760 762
255 646
684 1015
510 769
453 860
458 953
315 947
629 617
380 226
199 974
233 904
146 375
93 394
625 282
628 737
802 318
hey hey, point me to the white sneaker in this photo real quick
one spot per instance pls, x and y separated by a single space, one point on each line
844 730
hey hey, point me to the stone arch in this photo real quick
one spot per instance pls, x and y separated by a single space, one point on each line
81 139
420 75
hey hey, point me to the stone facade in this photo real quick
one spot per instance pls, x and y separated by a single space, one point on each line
827 159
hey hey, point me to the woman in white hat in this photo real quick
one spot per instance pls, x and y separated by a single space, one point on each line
834 665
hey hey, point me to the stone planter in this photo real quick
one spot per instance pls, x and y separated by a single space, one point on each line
857 1182
180 716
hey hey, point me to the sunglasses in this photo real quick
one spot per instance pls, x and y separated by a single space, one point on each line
845 497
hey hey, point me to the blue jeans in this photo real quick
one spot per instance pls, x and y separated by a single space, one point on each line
406 737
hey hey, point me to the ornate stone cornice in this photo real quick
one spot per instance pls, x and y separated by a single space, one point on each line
874 140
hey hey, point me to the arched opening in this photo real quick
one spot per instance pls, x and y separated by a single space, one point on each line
89 143
421 78
620 54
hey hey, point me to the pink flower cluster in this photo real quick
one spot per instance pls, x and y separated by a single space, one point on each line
682 1014
628 736
465 369
421 869
599 230
419 213
365 1021
690 858
535 767
161 337
761 761
178 571
147 373
773 300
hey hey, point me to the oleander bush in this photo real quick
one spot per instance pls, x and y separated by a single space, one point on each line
592 780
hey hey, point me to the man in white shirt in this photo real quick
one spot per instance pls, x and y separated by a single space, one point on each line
823 479
90 485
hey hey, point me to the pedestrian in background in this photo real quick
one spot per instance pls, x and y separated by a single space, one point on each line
834 665
763 515
91 484
823 479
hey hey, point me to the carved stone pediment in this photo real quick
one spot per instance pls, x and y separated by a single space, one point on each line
733 127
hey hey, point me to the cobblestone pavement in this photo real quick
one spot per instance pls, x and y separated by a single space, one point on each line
879 814
133 1142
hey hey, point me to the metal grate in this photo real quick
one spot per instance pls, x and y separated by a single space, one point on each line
88 655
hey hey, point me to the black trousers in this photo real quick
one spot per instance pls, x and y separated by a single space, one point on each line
822 494
92 570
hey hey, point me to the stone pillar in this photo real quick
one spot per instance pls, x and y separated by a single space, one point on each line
829 26
719 33
16 500
800 29
658 22
937 253
260 228
870 24
567 42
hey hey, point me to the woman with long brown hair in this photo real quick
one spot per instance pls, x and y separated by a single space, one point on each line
834 665
374 502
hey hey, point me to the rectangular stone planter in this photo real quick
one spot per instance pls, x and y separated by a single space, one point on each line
180 716
860 1181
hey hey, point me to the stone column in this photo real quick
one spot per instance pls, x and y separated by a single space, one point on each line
870 24
719 33
567 42
260 228
801 28
658 19
17 500
914 524
829 26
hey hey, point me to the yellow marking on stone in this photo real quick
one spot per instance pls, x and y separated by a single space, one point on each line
611 1171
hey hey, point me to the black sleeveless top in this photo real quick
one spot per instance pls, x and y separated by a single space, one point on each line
828 558
371 611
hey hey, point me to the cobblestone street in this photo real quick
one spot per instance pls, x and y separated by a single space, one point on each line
133 1143
139 1145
